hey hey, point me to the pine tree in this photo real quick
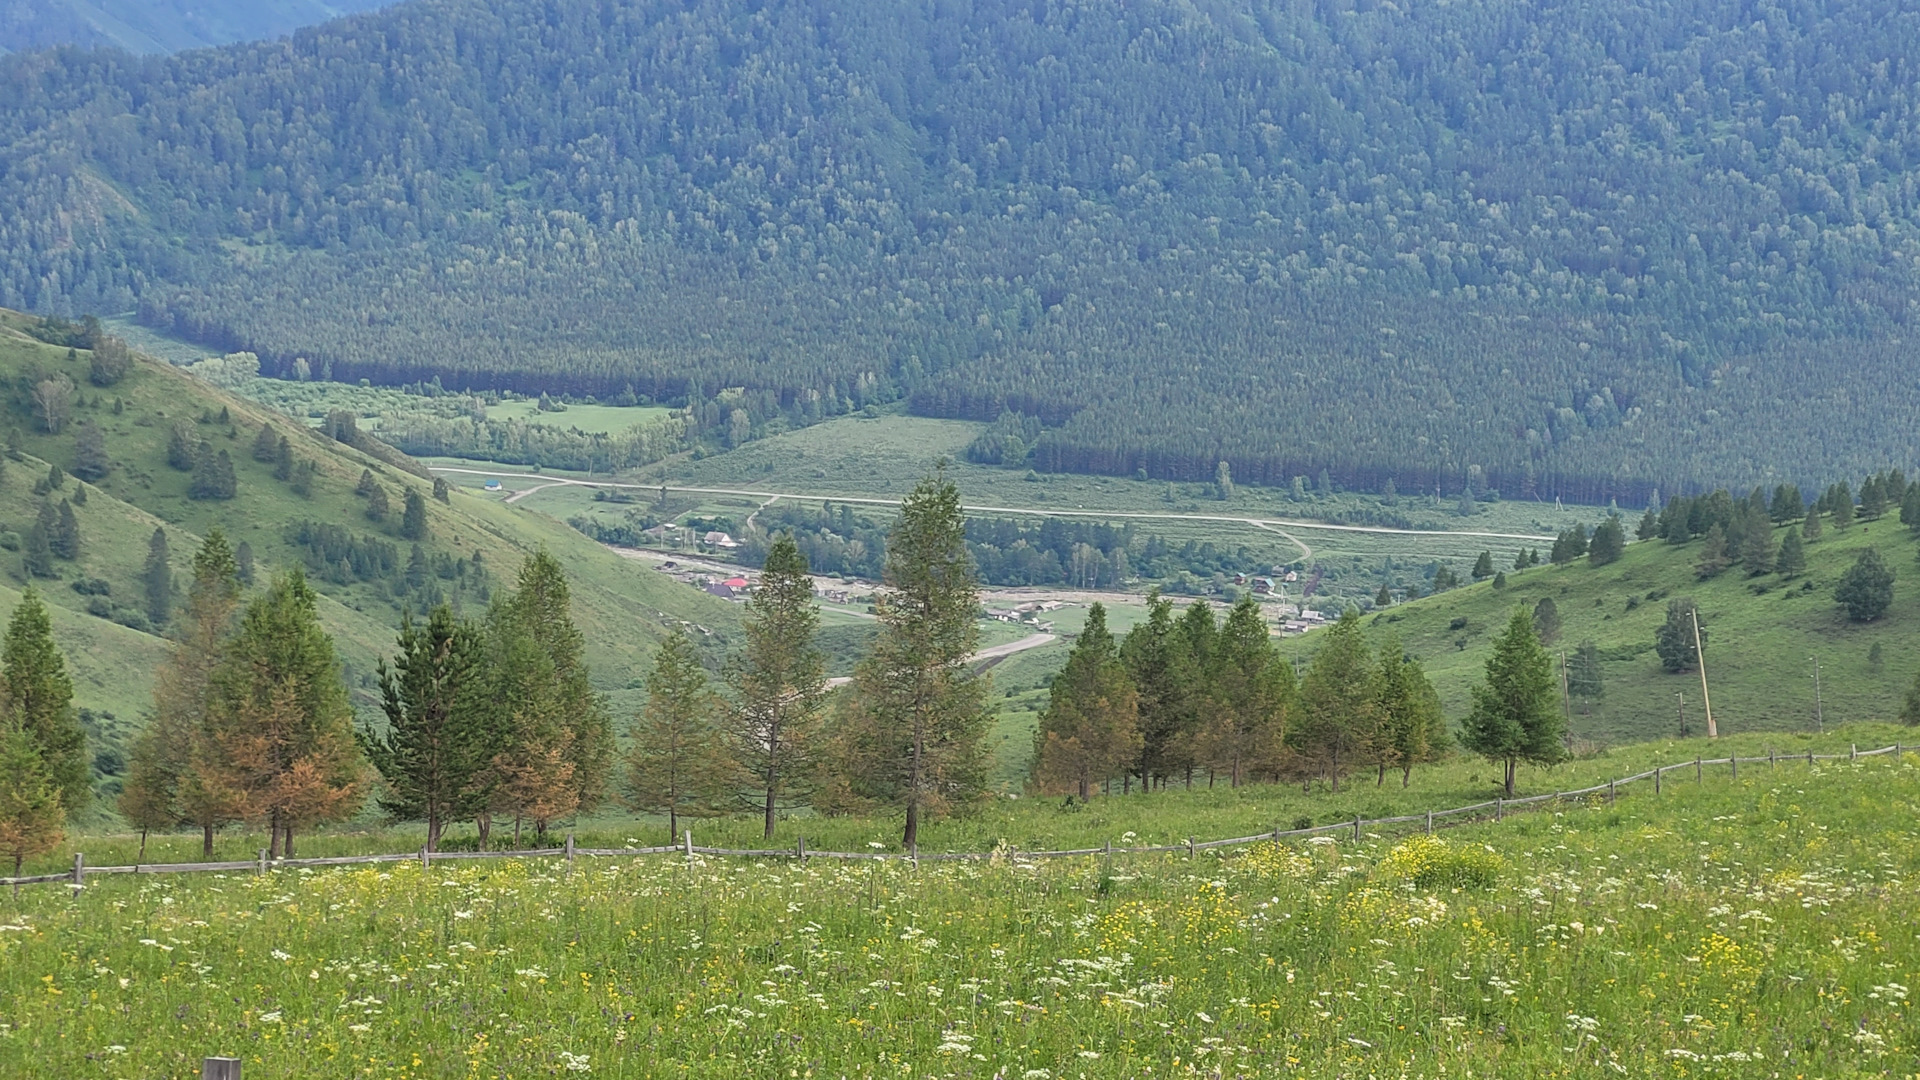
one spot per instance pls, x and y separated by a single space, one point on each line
413 520
1786 505
779 682
1608 543
39 700
678 764
1516 715
1336 715
1866 589
1412 728
213 476
1841 506
1873 499
90 461
1383 598
243 563
442 490
1810 528
157 578
918 712
434 697
1089 731
366 484
1792 560
31 814
1223 481
1674 640
1483 566
282 717
1251 692
283 460
377 505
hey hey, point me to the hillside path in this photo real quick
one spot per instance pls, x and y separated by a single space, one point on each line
993 652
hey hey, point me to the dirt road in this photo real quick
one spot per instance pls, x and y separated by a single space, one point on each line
995 652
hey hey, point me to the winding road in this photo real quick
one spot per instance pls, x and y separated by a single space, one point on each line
1274 525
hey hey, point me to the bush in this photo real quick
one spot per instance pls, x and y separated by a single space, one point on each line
1432 863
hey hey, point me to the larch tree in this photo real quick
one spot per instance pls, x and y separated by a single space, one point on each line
530 774
413 518
282 716
38 700
917 714
177 773
156 579
1153 663
434 695
1411 728
779 681
1251 694
542 608
32 818
1336 717
1516 714
1792 559
677 763
1090 729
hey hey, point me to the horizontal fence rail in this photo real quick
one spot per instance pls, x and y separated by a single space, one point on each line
76 878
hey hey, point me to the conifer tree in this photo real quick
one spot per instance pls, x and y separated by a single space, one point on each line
918 712
1713 554
434 697
1810 528
1792 560
31 814
182 448
1756 550
1609 542
678 764
413 520
1337 718
1866 589
1090 730
283 460
1585 679
282 718
1546 620
90 461
1841 506
1516 715
1383 598
1412 728
1251 693
377 505
366 484
1873 499
779 681
213 475
266 444
1649 526
1674 640
1483 566
442 490
38 700
1154 665
157 579
178 773
37 552
65 536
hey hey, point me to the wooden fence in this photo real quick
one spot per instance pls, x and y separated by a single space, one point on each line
1498 808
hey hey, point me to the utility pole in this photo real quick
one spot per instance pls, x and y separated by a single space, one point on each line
1700 654
1819 716
1566 697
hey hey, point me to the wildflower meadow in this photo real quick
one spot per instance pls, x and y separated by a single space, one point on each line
1756 927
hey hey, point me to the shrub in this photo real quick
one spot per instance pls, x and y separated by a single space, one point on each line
1432 863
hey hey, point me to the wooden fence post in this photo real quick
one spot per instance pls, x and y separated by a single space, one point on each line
220 1068
1772 762
1656 778
1698 774
1809 759
1853 751
79 871
1189 847
1734 761
263 869
1612 796
426 857
1356 828
1429 823
1499 808
800 849
569 851
688 833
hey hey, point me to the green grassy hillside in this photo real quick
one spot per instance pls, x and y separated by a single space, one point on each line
1765 633
473 546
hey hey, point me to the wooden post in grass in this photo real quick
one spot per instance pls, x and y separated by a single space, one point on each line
1809 759
688 833
1356 828
1772 762
1611 794
569 851
1429 823
1189 848
426 858
1499 809
1656 778
1853 751
800 849
79 871
220 1068
1733 760
263 862
1698 774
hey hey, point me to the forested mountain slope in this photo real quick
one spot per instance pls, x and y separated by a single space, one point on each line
159 26
1589 248
118 450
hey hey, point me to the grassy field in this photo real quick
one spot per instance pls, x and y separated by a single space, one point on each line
1765 635
592 419
1750 927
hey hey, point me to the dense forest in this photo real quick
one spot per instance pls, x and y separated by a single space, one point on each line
1544 248
158 26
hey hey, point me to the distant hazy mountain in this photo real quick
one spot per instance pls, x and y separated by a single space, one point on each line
160 26
1548 247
